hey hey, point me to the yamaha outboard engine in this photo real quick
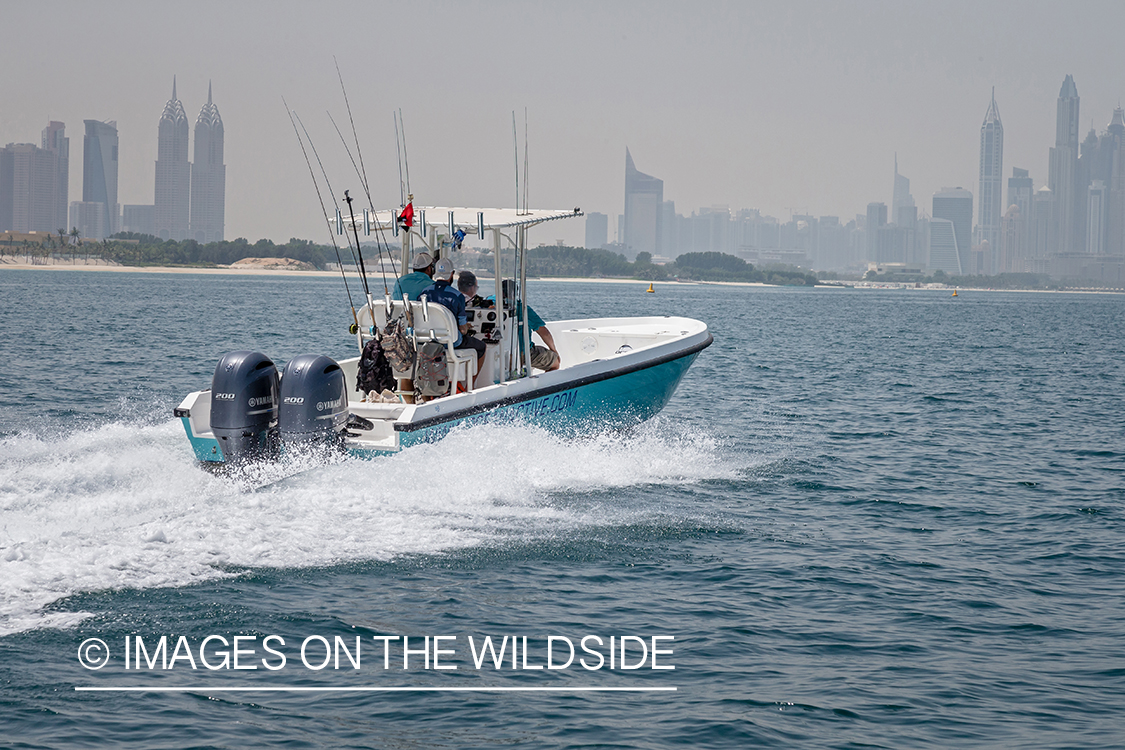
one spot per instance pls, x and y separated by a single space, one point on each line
244 399
314 401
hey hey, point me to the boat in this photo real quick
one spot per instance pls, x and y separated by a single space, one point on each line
613 372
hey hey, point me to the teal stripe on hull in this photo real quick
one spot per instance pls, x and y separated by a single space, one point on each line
620 401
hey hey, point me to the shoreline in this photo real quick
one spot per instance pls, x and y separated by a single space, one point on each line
102 266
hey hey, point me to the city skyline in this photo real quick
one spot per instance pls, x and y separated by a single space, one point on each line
771 108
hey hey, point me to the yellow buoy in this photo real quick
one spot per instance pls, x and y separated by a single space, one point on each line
650 290
954 292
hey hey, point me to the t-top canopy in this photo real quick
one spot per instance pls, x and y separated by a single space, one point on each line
470 220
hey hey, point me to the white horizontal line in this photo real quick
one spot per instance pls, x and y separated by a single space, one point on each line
252 689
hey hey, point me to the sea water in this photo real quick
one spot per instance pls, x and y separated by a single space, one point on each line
866 519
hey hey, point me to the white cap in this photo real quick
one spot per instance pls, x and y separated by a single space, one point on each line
444 270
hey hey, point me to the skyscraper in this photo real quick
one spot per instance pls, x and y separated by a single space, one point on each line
956 205
208 175
27 189
1115 211
644 195
1062 170
876 218
99 177
902 199
173 173
1012 250
1020 190
991 206
597 230
55 141
1096 217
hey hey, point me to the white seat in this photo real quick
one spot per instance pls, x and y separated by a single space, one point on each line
435 322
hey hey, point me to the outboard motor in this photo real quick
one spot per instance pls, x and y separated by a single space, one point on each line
314 401
244 400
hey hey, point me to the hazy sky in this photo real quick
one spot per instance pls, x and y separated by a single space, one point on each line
778 106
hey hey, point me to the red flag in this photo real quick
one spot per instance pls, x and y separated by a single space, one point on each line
406 218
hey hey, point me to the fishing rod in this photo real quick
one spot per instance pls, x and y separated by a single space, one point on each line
358 250
370 304
380 243
312 174
361 172
359 151
328 182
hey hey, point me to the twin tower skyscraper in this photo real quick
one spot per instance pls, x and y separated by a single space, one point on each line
190 197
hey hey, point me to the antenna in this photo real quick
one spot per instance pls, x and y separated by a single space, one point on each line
398 152
405 155
516 149
525 191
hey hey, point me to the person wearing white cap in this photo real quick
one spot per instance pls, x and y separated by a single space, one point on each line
442 292
412 284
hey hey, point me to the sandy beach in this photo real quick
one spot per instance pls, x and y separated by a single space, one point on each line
54 264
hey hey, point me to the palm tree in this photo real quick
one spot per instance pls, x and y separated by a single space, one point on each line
74 241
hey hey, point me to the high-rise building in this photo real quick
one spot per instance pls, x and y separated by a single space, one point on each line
944 254
89 218
1115 210
876 218
902 200
1095 217
33 183
1012 251
99 178
1040 224
55 141
644 195
991 206
208 176
669 232
597 230
27 189
956 205
1020 190
173 173
138 219
1062 175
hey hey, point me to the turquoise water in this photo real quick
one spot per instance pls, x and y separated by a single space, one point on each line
868 518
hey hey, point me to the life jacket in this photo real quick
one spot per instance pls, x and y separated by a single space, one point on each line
431 373
374 370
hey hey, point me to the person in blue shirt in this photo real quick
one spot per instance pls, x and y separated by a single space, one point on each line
542 357
412 284
443 293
